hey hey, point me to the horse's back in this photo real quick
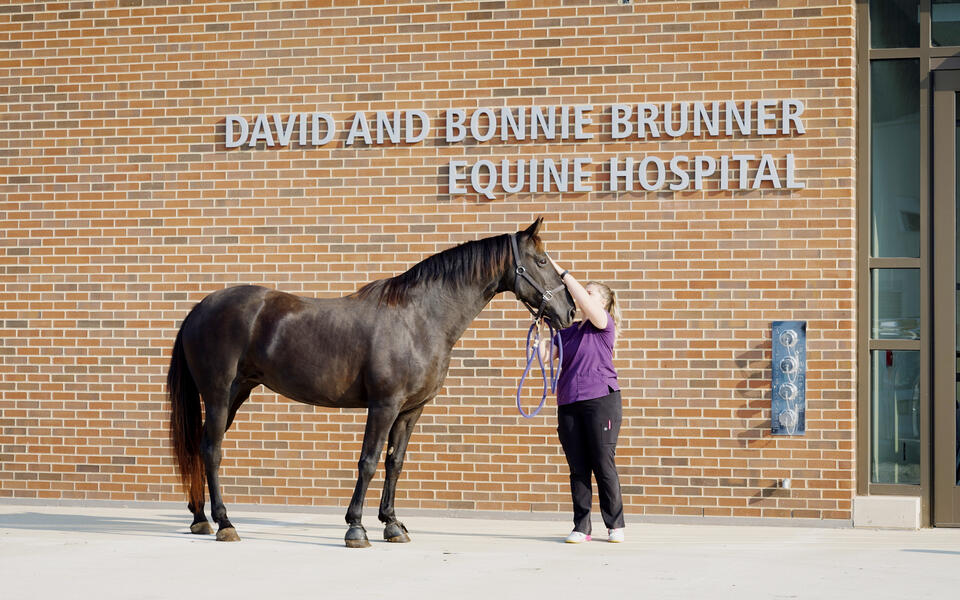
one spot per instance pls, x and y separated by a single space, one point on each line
243 315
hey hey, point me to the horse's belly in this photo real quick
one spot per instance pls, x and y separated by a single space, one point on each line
317 397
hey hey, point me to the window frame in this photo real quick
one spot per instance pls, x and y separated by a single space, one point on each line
931 58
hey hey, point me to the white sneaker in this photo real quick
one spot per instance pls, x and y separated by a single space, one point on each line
616 535
576 537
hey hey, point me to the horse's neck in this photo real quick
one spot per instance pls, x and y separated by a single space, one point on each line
453 309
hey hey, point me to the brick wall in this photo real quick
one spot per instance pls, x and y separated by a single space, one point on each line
121 208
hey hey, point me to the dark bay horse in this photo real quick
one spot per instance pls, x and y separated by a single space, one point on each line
385 348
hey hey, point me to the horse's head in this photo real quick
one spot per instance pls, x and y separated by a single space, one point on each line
539 284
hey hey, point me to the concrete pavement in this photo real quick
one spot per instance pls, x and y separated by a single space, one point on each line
145 553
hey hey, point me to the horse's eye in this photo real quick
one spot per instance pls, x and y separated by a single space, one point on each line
541 261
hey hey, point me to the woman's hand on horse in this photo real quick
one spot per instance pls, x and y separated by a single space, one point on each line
558 268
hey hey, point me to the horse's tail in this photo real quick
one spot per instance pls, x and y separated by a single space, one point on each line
186 422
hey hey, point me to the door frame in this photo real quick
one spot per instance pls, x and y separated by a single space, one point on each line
932 58
946 492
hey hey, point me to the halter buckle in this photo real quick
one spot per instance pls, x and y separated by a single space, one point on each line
521 270
547 296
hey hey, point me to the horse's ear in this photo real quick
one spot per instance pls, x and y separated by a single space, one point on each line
534 228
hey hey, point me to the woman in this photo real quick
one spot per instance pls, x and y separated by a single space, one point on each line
589 406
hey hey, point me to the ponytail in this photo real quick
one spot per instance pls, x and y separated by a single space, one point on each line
613 307
610 303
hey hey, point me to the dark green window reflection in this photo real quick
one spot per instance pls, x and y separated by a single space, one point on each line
895 304
895 158
895 416
945 29
894 23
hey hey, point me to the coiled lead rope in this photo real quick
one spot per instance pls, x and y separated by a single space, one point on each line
534 351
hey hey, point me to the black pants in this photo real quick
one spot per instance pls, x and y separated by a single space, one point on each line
588 432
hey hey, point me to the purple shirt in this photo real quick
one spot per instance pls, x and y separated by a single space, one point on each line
587 370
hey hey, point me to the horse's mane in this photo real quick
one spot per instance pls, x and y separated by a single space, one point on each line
468 262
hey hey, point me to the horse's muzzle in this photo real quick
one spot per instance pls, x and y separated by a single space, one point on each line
562 321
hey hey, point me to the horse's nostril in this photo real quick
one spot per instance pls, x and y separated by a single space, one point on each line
573 313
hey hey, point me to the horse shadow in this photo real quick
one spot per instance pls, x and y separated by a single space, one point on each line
165 526
76 523
174 526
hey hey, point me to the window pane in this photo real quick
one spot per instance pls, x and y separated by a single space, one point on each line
895 296
895 23
895 158
895 416
945 29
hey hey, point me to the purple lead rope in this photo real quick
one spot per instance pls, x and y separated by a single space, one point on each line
533 350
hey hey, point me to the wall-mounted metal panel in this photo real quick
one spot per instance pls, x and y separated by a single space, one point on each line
789 381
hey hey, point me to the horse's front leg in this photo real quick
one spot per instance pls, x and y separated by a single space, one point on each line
379 420
394 531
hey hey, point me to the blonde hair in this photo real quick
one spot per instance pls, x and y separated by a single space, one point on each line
609 302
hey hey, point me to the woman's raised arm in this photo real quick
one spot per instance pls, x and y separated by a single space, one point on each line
591 306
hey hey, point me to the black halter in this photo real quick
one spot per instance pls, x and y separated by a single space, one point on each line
545 296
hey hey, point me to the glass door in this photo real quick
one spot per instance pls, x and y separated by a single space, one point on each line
946 238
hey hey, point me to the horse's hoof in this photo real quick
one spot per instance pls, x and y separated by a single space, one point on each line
228 534
396 533
356 537
201 528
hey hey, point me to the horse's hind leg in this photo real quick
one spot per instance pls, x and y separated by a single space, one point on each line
213 429
394 530
200 524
